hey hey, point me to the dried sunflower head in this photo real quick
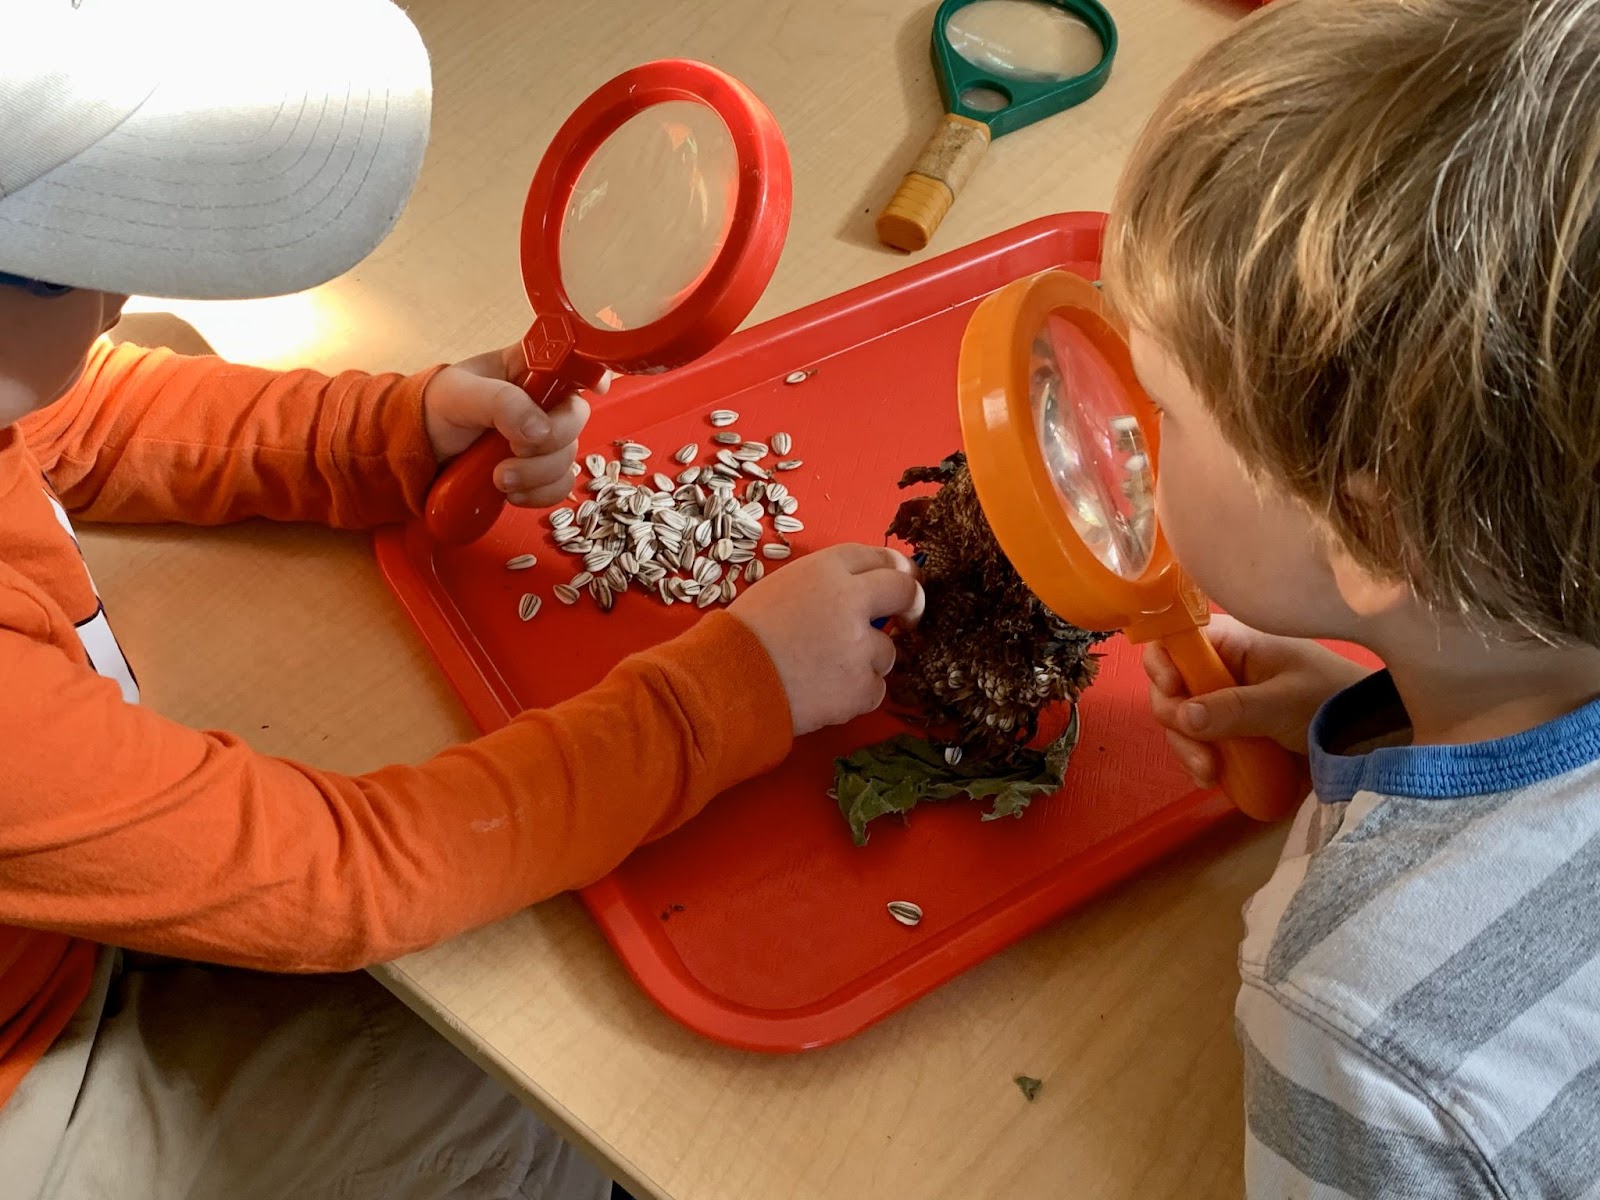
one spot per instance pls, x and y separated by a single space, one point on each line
988 657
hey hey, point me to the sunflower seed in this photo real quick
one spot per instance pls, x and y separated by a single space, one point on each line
721 549
775 550
581 579
754 570
708 597
725 471
598 560
565 593
723 417
588 509
598 484
797 376
784 523
685 454
616 578
633 451
664 590
751 451
565 537
628 562
790 464
632 467
613 471
596 464
528 606
726 437
755 470
730 589
952 755
727 459
560 518
788 505
782 443
521 562
905 912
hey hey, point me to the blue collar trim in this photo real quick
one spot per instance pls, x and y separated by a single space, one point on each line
1440 772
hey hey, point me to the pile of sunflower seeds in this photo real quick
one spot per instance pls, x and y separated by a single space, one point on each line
694 536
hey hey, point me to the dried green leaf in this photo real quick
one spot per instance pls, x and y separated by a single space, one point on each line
896 775
1029 1085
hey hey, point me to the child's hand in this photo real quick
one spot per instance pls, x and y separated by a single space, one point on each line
475 395
815 619
1285 681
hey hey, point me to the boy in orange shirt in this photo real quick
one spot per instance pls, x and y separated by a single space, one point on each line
132 159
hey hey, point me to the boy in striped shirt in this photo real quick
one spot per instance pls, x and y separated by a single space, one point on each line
1359 247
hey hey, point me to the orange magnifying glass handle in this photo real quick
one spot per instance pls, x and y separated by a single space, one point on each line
1262 779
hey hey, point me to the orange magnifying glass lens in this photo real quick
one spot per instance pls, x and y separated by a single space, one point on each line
1063 443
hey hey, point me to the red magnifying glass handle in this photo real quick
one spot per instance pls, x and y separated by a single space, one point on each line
465 501
1262 779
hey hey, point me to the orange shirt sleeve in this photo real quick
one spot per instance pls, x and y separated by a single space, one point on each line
149 435
128 829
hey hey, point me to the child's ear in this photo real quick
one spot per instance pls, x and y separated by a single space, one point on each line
1364 593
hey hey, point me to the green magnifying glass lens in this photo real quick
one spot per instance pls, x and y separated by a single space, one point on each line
1023 39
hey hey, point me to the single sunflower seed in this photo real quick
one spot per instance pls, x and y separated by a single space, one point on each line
685 454
789 464
952 755
775 550
797 376
565 593
726 437
596 464
784 523
723 417
560 518
782 443
528 606
521 562
905 912
751 451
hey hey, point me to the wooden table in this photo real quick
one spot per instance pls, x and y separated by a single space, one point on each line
288 636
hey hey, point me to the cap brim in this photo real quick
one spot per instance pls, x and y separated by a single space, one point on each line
276 152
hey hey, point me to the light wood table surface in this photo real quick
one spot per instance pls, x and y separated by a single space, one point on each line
288 636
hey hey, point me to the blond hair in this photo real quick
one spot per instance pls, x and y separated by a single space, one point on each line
1368 231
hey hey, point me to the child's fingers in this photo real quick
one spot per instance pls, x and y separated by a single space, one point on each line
1199 761
1162 671
566 421
551 474
891 592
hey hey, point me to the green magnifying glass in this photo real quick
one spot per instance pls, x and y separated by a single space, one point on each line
1002 64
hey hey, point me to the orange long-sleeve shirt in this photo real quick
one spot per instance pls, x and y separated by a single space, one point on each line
120 827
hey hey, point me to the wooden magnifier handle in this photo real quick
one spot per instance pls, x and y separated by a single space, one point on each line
947 161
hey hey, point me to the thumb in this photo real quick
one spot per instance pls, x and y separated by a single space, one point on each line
514 414
1229 713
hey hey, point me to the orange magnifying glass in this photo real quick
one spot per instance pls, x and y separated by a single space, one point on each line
1063 444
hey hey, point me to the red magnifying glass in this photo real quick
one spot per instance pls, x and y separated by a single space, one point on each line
1063 445
652 227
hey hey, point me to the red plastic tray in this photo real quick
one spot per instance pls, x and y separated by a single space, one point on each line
782 942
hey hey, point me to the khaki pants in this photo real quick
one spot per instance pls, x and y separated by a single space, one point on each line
184 1082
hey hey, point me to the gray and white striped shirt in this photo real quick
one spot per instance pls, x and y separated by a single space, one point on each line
1420 1011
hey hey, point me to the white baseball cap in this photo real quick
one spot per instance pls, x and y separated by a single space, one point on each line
205 149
